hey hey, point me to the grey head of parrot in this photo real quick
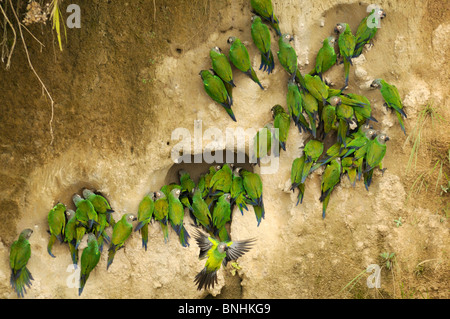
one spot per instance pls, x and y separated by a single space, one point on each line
176 192
70 214
26 233
76 198
366 127
181 172
331 40
236 171
222 247
231 40
382 138
131 218
376 84
287 37
87 192
227 197
159 194
339 28
381 13
218 167
335 101
91 237
217 49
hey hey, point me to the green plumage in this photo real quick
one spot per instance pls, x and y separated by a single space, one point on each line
316 87
217 91
70 235
85 215
287 55
237 191
262 143
346 43
19 255
89 260
363 112
221 65
240 58
56 219
344 114
295 107
312 151
161 213
176 216
144 216
254 188
374 156
282 122
261 39
221 215
367 31
220 182
326 57
101 204
296 177
330 178
121 231
201 210
311 108
264 9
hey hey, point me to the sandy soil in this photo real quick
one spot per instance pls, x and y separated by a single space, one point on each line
129 77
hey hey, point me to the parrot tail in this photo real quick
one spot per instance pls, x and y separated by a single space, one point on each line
325 204
305 172
111 253
259 213
400 120
20 279
368 179
140 225
251 73
83 279
73 254
184 235
51 241
144 234
347 63
165 231
301 192
205 279
267 62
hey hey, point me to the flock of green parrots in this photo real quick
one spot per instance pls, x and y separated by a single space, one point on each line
314 108
210 203
312 105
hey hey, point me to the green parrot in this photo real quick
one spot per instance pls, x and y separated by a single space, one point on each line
326 57
121 231
317 88
330 178
99 231
176 216
365 33
86 216
282 122
166 189
296 176
261 38
89 260
262 143
311 108
312 151
287 55
363 113
212 170
392 99
221 215
161 213
374 156
187 185
217 254
241 59
100 203
144 216
56 222
201 210
349 166
264 9
344 114
221 66
329 118
70 235
254 189
237 191
347 42
19 255
216 90
295 107
221 181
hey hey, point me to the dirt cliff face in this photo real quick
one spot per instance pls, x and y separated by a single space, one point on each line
129 77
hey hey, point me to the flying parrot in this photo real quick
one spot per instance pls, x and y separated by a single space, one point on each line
326 57
121 231
89 260
70 235
346 42
312 151
392 99
241 59
161 213
296 176
101 204
144 216
221 215
217 254
264 9
367 30
19 255
176 216
287 55
261 38
262 143
282 122
295 107
237 191
56 222
201 210
222 68
254 189
330 178
374 156
86 216
216 90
